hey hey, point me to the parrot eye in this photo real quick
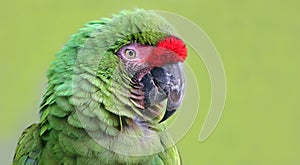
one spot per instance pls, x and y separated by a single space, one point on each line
130 53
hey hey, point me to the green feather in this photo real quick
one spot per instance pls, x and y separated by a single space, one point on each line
88 100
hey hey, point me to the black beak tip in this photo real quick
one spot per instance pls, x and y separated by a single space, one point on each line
167 114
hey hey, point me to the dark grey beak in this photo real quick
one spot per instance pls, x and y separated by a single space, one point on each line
167 82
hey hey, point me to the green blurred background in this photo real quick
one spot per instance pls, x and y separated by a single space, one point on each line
257 40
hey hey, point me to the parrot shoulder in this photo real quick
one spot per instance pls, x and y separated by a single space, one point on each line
29 147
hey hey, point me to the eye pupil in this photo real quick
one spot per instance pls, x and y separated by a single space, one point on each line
130 53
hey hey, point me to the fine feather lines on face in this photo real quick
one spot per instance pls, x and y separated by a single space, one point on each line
135 52
134 57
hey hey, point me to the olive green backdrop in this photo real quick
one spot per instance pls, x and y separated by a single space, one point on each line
257 40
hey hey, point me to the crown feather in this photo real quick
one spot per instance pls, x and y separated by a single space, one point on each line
176 45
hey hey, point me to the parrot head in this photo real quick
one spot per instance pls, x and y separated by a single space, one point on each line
150 52
159 70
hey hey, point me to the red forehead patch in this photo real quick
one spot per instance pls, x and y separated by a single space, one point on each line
174 44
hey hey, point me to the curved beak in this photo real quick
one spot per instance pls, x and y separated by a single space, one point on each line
174 88
166 82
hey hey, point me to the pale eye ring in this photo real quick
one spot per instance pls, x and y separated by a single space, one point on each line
130 53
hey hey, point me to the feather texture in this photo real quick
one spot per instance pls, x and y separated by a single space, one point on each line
90 109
